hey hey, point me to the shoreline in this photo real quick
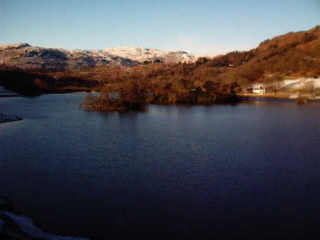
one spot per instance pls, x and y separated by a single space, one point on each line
281 96
19 227
5 118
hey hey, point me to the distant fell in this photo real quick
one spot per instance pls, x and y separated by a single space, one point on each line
174 79
25 56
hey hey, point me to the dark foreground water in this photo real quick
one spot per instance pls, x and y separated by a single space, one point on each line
250 170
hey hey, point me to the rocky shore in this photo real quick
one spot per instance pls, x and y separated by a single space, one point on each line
8 118
16 227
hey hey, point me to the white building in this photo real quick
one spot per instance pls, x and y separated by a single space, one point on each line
258 88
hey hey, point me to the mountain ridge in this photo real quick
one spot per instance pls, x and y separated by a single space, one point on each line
26 56
285 57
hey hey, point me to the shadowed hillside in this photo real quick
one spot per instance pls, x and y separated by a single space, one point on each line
33 83
206 81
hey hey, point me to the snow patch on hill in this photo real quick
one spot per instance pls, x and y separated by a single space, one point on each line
149 54
25 56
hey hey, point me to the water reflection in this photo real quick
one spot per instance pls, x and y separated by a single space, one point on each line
186 169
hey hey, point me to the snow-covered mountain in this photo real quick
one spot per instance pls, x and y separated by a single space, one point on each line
25 56
148 54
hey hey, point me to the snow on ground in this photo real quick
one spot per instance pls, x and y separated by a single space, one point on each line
316 83
300 83
142 54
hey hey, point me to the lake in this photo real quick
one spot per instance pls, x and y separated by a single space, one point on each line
244 170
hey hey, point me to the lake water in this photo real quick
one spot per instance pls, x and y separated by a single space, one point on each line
251 169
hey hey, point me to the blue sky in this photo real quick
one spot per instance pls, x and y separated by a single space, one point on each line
201 27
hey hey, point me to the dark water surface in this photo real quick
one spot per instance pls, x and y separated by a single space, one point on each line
247 170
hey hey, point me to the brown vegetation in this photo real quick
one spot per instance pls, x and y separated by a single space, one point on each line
132 89
207 81
289 55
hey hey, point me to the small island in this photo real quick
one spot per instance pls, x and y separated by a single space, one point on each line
286 66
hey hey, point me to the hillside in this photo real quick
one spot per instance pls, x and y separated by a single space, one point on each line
290 55
292 59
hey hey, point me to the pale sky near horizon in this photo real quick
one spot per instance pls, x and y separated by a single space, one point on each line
200 27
